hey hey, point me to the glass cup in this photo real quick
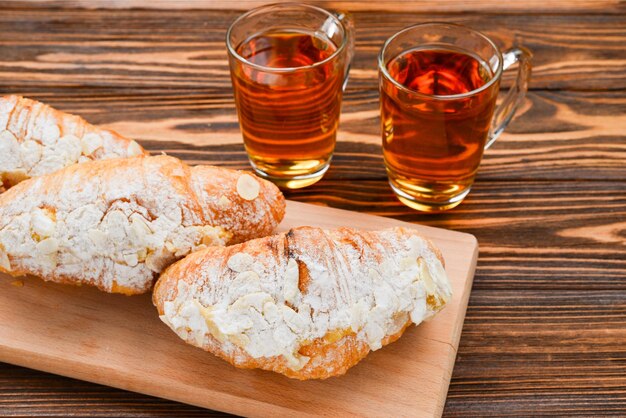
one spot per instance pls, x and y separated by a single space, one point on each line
289 66
439 84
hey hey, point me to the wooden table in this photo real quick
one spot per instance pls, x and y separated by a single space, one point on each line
546 326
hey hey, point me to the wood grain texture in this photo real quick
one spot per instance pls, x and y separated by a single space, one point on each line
29 392
419 6
181 49
558 135
120 341
543 333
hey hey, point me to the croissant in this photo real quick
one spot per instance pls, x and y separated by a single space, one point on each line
308 303
36 139
116 224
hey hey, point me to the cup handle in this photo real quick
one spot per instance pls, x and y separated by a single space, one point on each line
515 96
347 21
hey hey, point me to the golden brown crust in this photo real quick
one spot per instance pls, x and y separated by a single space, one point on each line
36 139
115 224
208 273
211 181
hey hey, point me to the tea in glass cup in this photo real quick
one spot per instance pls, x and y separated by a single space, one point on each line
289 65
438 89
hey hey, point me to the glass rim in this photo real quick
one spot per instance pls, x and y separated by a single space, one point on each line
340 48
382 67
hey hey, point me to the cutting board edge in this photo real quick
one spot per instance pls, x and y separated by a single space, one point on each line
220 401
462 236
456 333
234 401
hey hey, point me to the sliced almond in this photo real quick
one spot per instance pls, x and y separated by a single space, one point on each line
31 153
248 278
385 296
7 136
248 187
304 310
255 301
134 149
424 274
271 312
48 246
290 287
170 247
358 314
10 154
243 284
439 276
50 133
209 314
419 311
42 224
5 263
294 321
240 340
90 143
240 262
296 361
406 263
374 334
154 262
140 228
131 260
399 321
283 335
71 146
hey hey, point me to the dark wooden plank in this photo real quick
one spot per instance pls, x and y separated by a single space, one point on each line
185 49
561 6
25 392
558 135
528 353
545 327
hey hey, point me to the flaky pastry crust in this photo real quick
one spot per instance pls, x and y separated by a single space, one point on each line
116 224
36 139
308 303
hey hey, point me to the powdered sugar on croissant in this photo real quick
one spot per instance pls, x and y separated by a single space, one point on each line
309 303
36 139
116 224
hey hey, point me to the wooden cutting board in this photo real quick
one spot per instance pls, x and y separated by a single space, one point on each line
119 341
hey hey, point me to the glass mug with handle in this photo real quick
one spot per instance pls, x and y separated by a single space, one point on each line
289 65
439 84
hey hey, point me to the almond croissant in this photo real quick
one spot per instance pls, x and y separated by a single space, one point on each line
116 224
36 139
309 303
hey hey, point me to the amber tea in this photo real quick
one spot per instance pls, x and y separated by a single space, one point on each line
432 147
438 88
288 118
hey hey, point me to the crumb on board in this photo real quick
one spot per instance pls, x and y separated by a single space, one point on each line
18 283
